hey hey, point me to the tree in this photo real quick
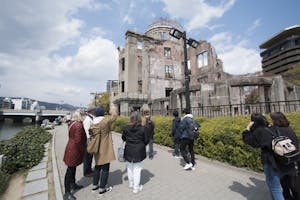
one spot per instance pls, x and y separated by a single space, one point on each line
293 75
103 100
252 97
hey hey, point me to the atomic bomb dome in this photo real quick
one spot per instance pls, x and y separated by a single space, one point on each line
162 25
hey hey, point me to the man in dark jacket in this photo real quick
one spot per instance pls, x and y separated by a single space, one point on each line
186 141
176 133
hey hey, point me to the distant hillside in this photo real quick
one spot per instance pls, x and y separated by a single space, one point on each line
49 106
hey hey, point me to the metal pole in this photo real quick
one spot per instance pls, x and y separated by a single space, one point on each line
187 75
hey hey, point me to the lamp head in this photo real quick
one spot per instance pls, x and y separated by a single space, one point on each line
176 33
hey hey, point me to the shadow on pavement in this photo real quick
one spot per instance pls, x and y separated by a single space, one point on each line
248 190
145 176
116 177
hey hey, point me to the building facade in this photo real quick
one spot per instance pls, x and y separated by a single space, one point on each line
282 51
151 71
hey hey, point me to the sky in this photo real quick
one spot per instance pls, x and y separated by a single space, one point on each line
60 51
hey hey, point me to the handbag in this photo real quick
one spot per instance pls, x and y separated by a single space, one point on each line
94 144
121 153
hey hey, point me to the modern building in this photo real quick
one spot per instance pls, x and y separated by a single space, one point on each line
282 51
151 71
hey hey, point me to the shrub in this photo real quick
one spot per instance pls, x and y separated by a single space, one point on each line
220 138
4 180
25 150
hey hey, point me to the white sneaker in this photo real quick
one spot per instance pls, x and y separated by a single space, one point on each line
135 191
193 168
188 166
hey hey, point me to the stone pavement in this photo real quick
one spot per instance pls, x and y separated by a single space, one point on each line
164 178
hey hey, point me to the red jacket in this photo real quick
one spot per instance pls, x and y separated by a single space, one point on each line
76 146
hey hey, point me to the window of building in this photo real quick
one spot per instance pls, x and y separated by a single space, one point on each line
140 86
168 71
203 79
139 45
167 52
123 86
202 59
123 64
168 91
163 36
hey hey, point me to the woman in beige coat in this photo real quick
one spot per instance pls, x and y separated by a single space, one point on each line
105 154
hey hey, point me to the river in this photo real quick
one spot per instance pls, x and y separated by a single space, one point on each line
8 129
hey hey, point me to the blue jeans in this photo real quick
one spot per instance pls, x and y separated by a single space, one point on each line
273 182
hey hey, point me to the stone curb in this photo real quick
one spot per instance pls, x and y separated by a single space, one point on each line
36 183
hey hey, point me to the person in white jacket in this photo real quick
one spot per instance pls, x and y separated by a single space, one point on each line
88 158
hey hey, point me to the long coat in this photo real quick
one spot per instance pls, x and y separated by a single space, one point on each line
76 146
106 152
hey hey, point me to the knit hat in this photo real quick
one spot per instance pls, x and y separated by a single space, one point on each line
99 111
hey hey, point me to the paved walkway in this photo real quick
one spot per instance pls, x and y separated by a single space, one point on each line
164 178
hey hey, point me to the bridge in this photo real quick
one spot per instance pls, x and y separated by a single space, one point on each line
34 115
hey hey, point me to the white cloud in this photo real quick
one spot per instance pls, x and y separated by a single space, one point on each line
127 19
254 26
199 14
31 31
236 57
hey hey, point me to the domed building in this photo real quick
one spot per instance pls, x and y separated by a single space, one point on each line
151 71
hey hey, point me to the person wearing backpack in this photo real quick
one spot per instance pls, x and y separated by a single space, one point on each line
148 122
258 135
290 180
176 133
187 141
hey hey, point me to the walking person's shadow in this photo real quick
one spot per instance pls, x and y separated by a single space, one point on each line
255 191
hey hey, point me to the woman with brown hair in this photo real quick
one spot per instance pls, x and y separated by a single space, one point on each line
290 181
135 138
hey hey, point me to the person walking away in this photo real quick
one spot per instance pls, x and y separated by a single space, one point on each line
258 135
74 154
186 141
135 138
148 122
88 158
290 180
105 154
176 133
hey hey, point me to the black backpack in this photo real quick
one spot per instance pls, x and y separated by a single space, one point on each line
192 129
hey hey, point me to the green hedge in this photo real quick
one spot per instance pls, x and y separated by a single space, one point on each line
22 152
220 138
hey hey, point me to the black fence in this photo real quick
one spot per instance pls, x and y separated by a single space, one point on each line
238 109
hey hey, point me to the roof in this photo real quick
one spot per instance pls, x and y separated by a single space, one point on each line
164 22
281 35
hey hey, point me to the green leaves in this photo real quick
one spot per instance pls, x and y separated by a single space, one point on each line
25 150
220 138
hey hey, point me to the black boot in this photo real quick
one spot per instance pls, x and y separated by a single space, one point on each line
69 196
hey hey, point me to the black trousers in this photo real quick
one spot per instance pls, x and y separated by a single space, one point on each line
101 173
69 178
183 146
87 163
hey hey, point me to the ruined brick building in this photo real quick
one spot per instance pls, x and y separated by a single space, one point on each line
151 71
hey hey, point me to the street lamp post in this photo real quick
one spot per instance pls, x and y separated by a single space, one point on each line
193 43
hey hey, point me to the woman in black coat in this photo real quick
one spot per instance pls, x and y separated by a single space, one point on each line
136 138
289 181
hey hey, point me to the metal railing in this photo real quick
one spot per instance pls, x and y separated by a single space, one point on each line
238 109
